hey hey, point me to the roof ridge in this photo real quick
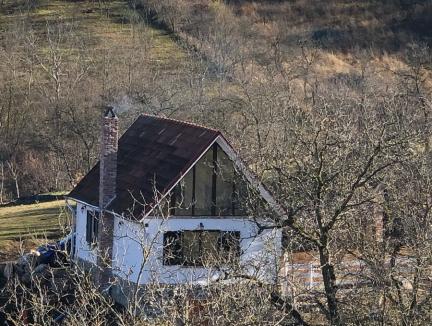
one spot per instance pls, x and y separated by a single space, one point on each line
187 123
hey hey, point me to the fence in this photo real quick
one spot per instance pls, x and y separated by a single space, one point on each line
301 273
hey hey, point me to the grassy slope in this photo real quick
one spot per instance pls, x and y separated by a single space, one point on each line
24 226
102 26
385 26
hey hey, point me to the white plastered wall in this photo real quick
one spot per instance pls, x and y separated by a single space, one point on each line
82 248
138 250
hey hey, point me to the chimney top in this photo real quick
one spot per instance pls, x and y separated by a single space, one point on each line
109 112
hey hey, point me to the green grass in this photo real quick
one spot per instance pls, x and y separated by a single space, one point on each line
25 226
105 27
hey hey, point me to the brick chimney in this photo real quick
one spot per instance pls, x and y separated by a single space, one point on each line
108 158
107 192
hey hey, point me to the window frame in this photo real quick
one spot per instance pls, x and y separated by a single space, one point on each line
92 227
235 198
179 260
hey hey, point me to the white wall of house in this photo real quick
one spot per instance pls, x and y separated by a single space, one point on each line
133 241
82 249
138 248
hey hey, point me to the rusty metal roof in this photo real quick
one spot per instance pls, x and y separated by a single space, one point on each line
153 155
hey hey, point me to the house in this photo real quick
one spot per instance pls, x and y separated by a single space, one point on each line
167 203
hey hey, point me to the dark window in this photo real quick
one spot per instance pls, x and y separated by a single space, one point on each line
184 195
92 227
240 196
211 188
201 248
172 248
204 185
224 184
230 244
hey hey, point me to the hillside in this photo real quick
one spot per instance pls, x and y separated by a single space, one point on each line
343 25
196 60
327 103
233 32
24 227
59 62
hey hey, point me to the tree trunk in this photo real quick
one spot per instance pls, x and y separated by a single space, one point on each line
14 172
329 279
1 182
17 187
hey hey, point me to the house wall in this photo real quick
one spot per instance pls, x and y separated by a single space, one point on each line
138 248
136 240
82 249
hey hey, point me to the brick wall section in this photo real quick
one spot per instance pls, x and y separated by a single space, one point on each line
108 159
105 245
107 191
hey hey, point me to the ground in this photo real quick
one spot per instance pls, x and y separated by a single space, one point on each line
25 226
103 25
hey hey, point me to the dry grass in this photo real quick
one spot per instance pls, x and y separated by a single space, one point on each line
341 29
344 24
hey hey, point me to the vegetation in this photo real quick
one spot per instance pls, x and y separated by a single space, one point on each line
60 61
329 102
25 226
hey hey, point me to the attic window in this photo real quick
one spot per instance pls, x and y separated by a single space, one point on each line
92 227
210 188
201 248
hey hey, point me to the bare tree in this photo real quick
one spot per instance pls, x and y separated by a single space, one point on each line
2 177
